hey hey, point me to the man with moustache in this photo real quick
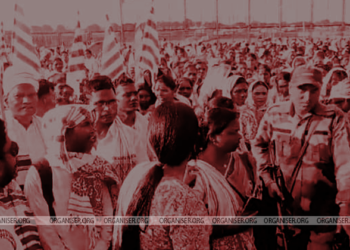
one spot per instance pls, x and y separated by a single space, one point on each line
24 127
128 104
115 141
310 145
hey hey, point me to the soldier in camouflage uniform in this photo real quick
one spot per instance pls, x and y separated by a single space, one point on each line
322 185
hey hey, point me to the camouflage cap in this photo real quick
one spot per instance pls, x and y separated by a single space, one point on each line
306 75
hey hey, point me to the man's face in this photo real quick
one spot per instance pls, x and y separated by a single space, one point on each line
191 74
64 94
104 102
304 97
242 68
180 53
8 163
58 66
283 87
230 54
81 138
239 58
87 54
50 99
318 62
179 70
127 98
132 72
23 100
250 62
201 71
65 57
264 75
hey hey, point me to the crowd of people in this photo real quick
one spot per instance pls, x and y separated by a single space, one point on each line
210 134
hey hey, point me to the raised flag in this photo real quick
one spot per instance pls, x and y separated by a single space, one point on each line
76 64
2 34
25 58
112 62
147 44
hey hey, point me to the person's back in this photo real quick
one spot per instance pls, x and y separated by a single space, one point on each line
181 201
161 188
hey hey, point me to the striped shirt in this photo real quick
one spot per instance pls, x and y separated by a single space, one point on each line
13 204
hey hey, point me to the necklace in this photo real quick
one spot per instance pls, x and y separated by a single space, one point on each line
229 162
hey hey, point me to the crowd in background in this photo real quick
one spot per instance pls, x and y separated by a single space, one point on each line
189 140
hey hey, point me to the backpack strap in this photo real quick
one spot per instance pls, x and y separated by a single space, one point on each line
45 173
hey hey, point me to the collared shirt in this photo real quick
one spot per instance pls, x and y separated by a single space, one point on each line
119 147
324 175
140 127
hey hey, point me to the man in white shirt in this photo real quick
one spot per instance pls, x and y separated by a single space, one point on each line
90 63
23 126
115 141
128 103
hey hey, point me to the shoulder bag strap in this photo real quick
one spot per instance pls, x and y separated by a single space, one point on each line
310 129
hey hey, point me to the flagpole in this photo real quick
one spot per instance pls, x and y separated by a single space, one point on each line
217 22
248 21
2 104
121 21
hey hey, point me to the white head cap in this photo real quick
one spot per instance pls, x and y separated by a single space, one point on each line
12 79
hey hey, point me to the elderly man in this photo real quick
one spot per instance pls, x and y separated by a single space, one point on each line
12 200
24 127
309 143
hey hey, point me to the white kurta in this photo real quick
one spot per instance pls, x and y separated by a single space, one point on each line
30 141
120 141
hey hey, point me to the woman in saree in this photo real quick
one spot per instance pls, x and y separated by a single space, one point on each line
225 177
165 91
79 179
254 109
161 188
237 89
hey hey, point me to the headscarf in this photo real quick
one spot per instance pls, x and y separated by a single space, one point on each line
88 172
215 80
326 81
230 84
341 90
251 115
250 101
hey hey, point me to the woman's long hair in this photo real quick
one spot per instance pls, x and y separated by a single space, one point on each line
172 133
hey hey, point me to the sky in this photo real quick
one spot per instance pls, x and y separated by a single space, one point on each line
55 12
